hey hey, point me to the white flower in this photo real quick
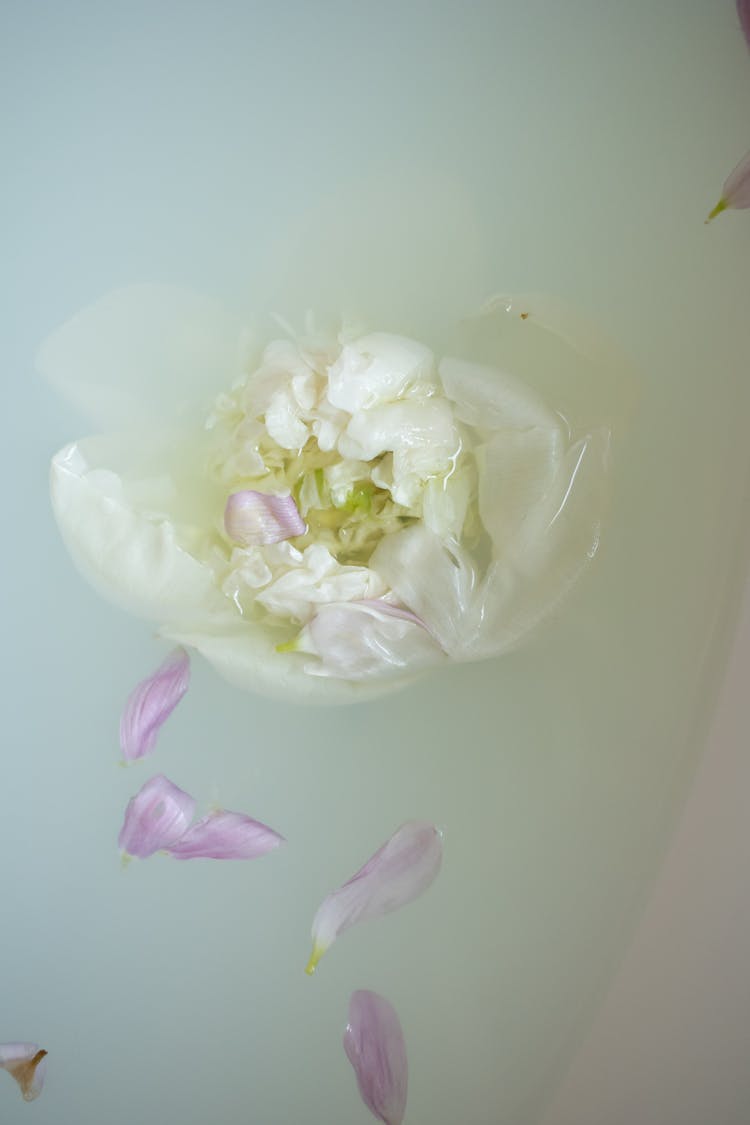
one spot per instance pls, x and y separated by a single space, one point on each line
330 518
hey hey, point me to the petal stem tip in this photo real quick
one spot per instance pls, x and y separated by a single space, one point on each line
315 957
720 206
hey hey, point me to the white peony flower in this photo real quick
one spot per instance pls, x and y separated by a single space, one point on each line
330 517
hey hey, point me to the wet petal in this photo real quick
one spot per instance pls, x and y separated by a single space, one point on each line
735 194
433 579
27 1064
151 703
398 873
374 1045
360 640
156 818
254 518
743 11
226 835
142 353
376 368
134 560
489 398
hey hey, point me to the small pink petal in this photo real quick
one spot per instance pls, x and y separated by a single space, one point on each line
374 1045
226 835
735 194
743 11
151 703
397 874
27 1064
253 518
156 818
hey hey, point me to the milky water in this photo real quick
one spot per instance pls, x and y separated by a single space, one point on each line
412 159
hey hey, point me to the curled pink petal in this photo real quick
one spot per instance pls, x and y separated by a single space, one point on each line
226 835
27 1064
743 11
156 818
398 873
151 703
253 518
374 1045
735 194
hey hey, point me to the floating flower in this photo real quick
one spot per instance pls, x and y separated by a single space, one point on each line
735 195
158 819
151 703
397 874
374 1045
270 525
27 1064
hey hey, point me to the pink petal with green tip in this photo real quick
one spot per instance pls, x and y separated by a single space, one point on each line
226 835
156 818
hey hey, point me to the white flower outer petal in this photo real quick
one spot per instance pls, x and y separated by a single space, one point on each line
128 558
143 353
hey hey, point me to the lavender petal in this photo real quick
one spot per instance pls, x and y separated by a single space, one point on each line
156 818
374 1045
226 835
151 703
254 518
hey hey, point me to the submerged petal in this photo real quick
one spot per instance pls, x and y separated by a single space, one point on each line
226 835
374 1045
27 1064
254 518
151 703
395 875
735 194
366 639
156 818
743 11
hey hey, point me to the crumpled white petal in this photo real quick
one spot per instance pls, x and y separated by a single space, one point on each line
377 368
358 640
27 1063
317 580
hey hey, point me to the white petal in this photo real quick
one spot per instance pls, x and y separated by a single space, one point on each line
444 503
143 354
358 642
283 421
433 579
491 399
377 368
421 431
552 547
318 580
246 656
134 561
516 471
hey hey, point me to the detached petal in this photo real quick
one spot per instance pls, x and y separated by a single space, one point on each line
735 194
374 1045
397 874
27 1064
743 11
156 818
151 703
254 518
226 835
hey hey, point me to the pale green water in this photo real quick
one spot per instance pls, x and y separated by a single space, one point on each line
570 148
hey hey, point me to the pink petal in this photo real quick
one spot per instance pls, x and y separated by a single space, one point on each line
156 818
151 703
226 835
398 873
743 11
253 518
735 194
27 1064
374 1045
